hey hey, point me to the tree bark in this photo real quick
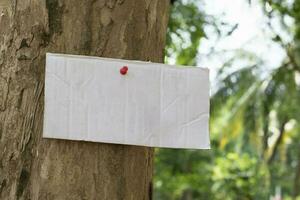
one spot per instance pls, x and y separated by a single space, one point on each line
35 168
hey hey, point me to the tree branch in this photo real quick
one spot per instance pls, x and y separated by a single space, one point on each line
278 142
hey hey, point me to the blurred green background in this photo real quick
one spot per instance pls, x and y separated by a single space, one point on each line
252 49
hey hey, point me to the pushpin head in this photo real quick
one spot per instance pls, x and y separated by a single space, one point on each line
124 70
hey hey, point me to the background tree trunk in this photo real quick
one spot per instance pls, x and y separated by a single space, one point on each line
36 168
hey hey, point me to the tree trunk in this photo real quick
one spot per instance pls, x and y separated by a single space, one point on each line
35 168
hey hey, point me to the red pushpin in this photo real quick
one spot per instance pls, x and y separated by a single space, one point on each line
124 70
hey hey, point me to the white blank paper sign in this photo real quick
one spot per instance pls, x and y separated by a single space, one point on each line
156 105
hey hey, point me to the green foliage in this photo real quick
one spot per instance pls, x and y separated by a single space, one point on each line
183 174
185 31
239 177
255 116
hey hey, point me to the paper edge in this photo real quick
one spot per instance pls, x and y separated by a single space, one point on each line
204 147
49 54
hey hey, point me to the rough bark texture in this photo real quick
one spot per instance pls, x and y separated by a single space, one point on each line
35 168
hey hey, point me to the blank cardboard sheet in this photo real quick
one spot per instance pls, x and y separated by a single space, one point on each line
156 105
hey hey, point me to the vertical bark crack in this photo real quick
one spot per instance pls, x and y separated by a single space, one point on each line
23 181
55 14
